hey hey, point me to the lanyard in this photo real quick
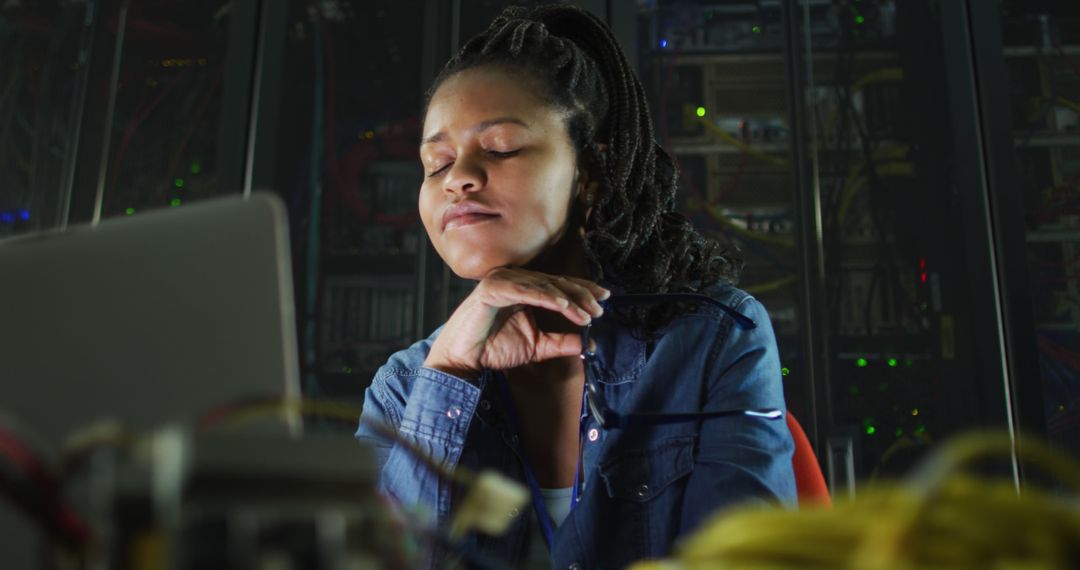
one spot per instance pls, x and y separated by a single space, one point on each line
530 477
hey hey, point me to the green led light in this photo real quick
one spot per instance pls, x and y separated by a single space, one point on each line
871 430
174 202
861 363
859 19
346 370
129 211
920 429
893 362
196 167
785 371
756 29
899 432
701 111
179 182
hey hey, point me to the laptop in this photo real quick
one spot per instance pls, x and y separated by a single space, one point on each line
148 319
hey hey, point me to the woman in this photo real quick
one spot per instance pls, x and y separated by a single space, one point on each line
544 185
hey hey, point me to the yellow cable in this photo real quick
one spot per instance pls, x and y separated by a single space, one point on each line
880 75
770 285
333 410
941 518
887 162
1068 104
1040 104
735 142
717 213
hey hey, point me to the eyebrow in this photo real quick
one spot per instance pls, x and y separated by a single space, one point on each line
478 128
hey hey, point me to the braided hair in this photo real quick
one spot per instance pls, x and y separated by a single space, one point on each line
635 241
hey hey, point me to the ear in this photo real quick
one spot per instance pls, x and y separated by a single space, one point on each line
588 192
588 184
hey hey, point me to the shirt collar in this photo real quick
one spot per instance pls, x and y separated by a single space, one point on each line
620 356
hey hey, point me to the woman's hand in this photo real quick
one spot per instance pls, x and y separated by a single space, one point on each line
495 328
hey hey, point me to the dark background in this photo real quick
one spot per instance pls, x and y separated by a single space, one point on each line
901 177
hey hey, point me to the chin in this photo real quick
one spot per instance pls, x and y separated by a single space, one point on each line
474 271
474 267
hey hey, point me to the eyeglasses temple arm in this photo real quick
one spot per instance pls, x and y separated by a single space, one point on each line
635 299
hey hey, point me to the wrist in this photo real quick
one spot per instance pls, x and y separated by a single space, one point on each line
451 369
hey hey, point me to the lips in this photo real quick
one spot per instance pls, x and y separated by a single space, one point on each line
465 214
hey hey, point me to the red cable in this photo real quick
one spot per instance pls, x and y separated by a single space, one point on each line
14 450
1059 353
175 161
70 525
129 133
734 179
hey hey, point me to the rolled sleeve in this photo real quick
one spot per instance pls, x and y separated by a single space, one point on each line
440 408
432 411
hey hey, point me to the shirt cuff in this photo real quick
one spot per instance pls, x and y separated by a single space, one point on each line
440 407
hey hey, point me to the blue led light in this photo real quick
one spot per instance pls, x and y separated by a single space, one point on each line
24 215
663 43
7 218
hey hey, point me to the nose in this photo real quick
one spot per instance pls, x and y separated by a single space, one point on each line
464 176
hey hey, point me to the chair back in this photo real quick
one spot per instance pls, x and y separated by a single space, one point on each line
809 481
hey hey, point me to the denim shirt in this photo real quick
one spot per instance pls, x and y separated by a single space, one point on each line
645 486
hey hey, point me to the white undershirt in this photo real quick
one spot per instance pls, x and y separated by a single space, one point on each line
557 502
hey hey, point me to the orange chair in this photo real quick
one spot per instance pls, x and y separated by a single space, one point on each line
809 481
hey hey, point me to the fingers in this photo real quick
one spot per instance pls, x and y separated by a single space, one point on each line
598 292
547 295
582 295
556 345
576 299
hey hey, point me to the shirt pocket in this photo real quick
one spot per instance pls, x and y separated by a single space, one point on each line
643 491
640 475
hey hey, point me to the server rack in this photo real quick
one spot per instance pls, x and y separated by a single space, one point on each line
932 272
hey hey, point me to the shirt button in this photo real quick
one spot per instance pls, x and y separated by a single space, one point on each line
453 413
642 490
514 513
594 434
485 405
574 566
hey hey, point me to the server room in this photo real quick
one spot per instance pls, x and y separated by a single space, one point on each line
494 284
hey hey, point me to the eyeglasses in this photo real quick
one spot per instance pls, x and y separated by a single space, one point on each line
609 418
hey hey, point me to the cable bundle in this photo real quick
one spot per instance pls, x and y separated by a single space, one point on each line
941 518
29 483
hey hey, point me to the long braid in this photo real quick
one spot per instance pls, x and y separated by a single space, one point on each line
634 239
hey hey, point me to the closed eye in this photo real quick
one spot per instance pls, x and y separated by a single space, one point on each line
495 153
440 170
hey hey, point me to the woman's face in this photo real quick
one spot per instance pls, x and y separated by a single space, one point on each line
500 172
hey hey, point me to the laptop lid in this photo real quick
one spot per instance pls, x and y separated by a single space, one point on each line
148 319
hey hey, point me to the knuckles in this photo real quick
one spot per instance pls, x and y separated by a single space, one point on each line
523 280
